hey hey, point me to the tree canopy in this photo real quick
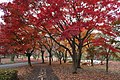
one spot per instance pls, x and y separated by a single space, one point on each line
73 21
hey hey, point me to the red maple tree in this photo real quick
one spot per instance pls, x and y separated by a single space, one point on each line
63 19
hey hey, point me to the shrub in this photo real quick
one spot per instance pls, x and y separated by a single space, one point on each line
8 74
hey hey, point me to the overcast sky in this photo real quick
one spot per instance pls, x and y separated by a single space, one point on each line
1 13
5 1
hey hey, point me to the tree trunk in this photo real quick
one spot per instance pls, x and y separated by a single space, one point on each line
60 61
42 56
50 58
75 62
74 66
74 57
28 54
29 60
12 57
101 62
107 60
65 57
17 56
79 54
38 56
79 60
92 62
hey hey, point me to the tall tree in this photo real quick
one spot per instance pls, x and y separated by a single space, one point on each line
64 19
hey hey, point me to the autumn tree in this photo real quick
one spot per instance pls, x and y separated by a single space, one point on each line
48 44
107 48
59 53
64 20
75 17
22 38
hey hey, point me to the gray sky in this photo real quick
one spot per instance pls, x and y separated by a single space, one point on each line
5 1
1 13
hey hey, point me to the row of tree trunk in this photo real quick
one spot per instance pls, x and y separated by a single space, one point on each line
76 59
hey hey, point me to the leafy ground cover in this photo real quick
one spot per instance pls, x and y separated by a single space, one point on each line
64 72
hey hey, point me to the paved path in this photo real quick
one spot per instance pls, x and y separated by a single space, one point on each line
15 65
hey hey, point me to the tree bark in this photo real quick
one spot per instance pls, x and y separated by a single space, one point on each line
107 62
74 66
29 61
79 54
79 60
92 62
74 57
17 55
42 56
60 61
12 57
65 57
50 58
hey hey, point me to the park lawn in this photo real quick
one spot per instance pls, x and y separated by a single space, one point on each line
64 72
